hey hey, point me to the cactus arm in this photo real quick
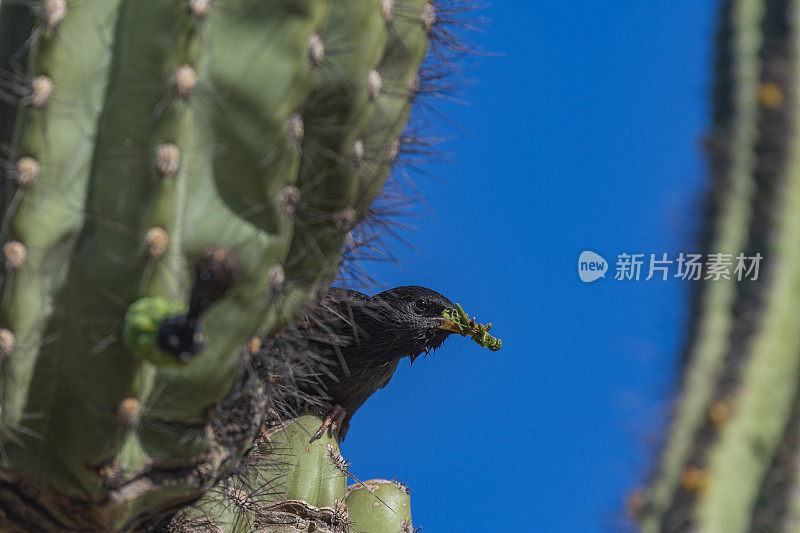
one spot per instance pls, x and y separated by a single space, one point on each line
326 213
242 142
156 129
292 481
285 474
48 218
309 472
743 453
730 460
740 56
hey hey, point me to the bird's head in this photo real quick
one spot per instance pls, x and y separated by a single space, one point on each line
413 315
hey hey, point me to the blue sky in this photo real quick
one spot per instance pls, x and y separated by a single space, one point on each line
583 133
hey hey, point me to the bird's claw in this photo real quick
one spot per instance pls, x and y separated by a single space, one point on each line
332 421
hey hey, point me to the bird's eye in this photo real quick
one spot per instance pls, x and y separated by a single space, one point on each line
420 306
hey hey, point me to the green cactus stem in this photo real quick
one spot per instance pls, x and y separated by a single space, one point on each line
312 472
288 484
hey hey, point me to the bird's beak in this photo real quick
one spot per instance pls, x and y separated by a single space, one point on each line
447 324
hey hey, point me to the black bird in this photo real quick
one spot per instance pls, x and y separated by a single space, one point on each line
356 342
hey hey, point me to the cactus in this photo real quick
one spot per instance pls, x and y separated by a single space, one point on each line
287 484
310 471
729 461
179 177
292 485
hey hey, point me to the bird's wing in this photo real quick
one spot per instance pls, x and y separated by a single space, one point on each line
344 310
388 375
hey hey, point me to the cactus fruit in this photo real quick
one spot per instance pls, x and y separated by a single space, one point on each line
142 324
729 462
391 514
133 136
